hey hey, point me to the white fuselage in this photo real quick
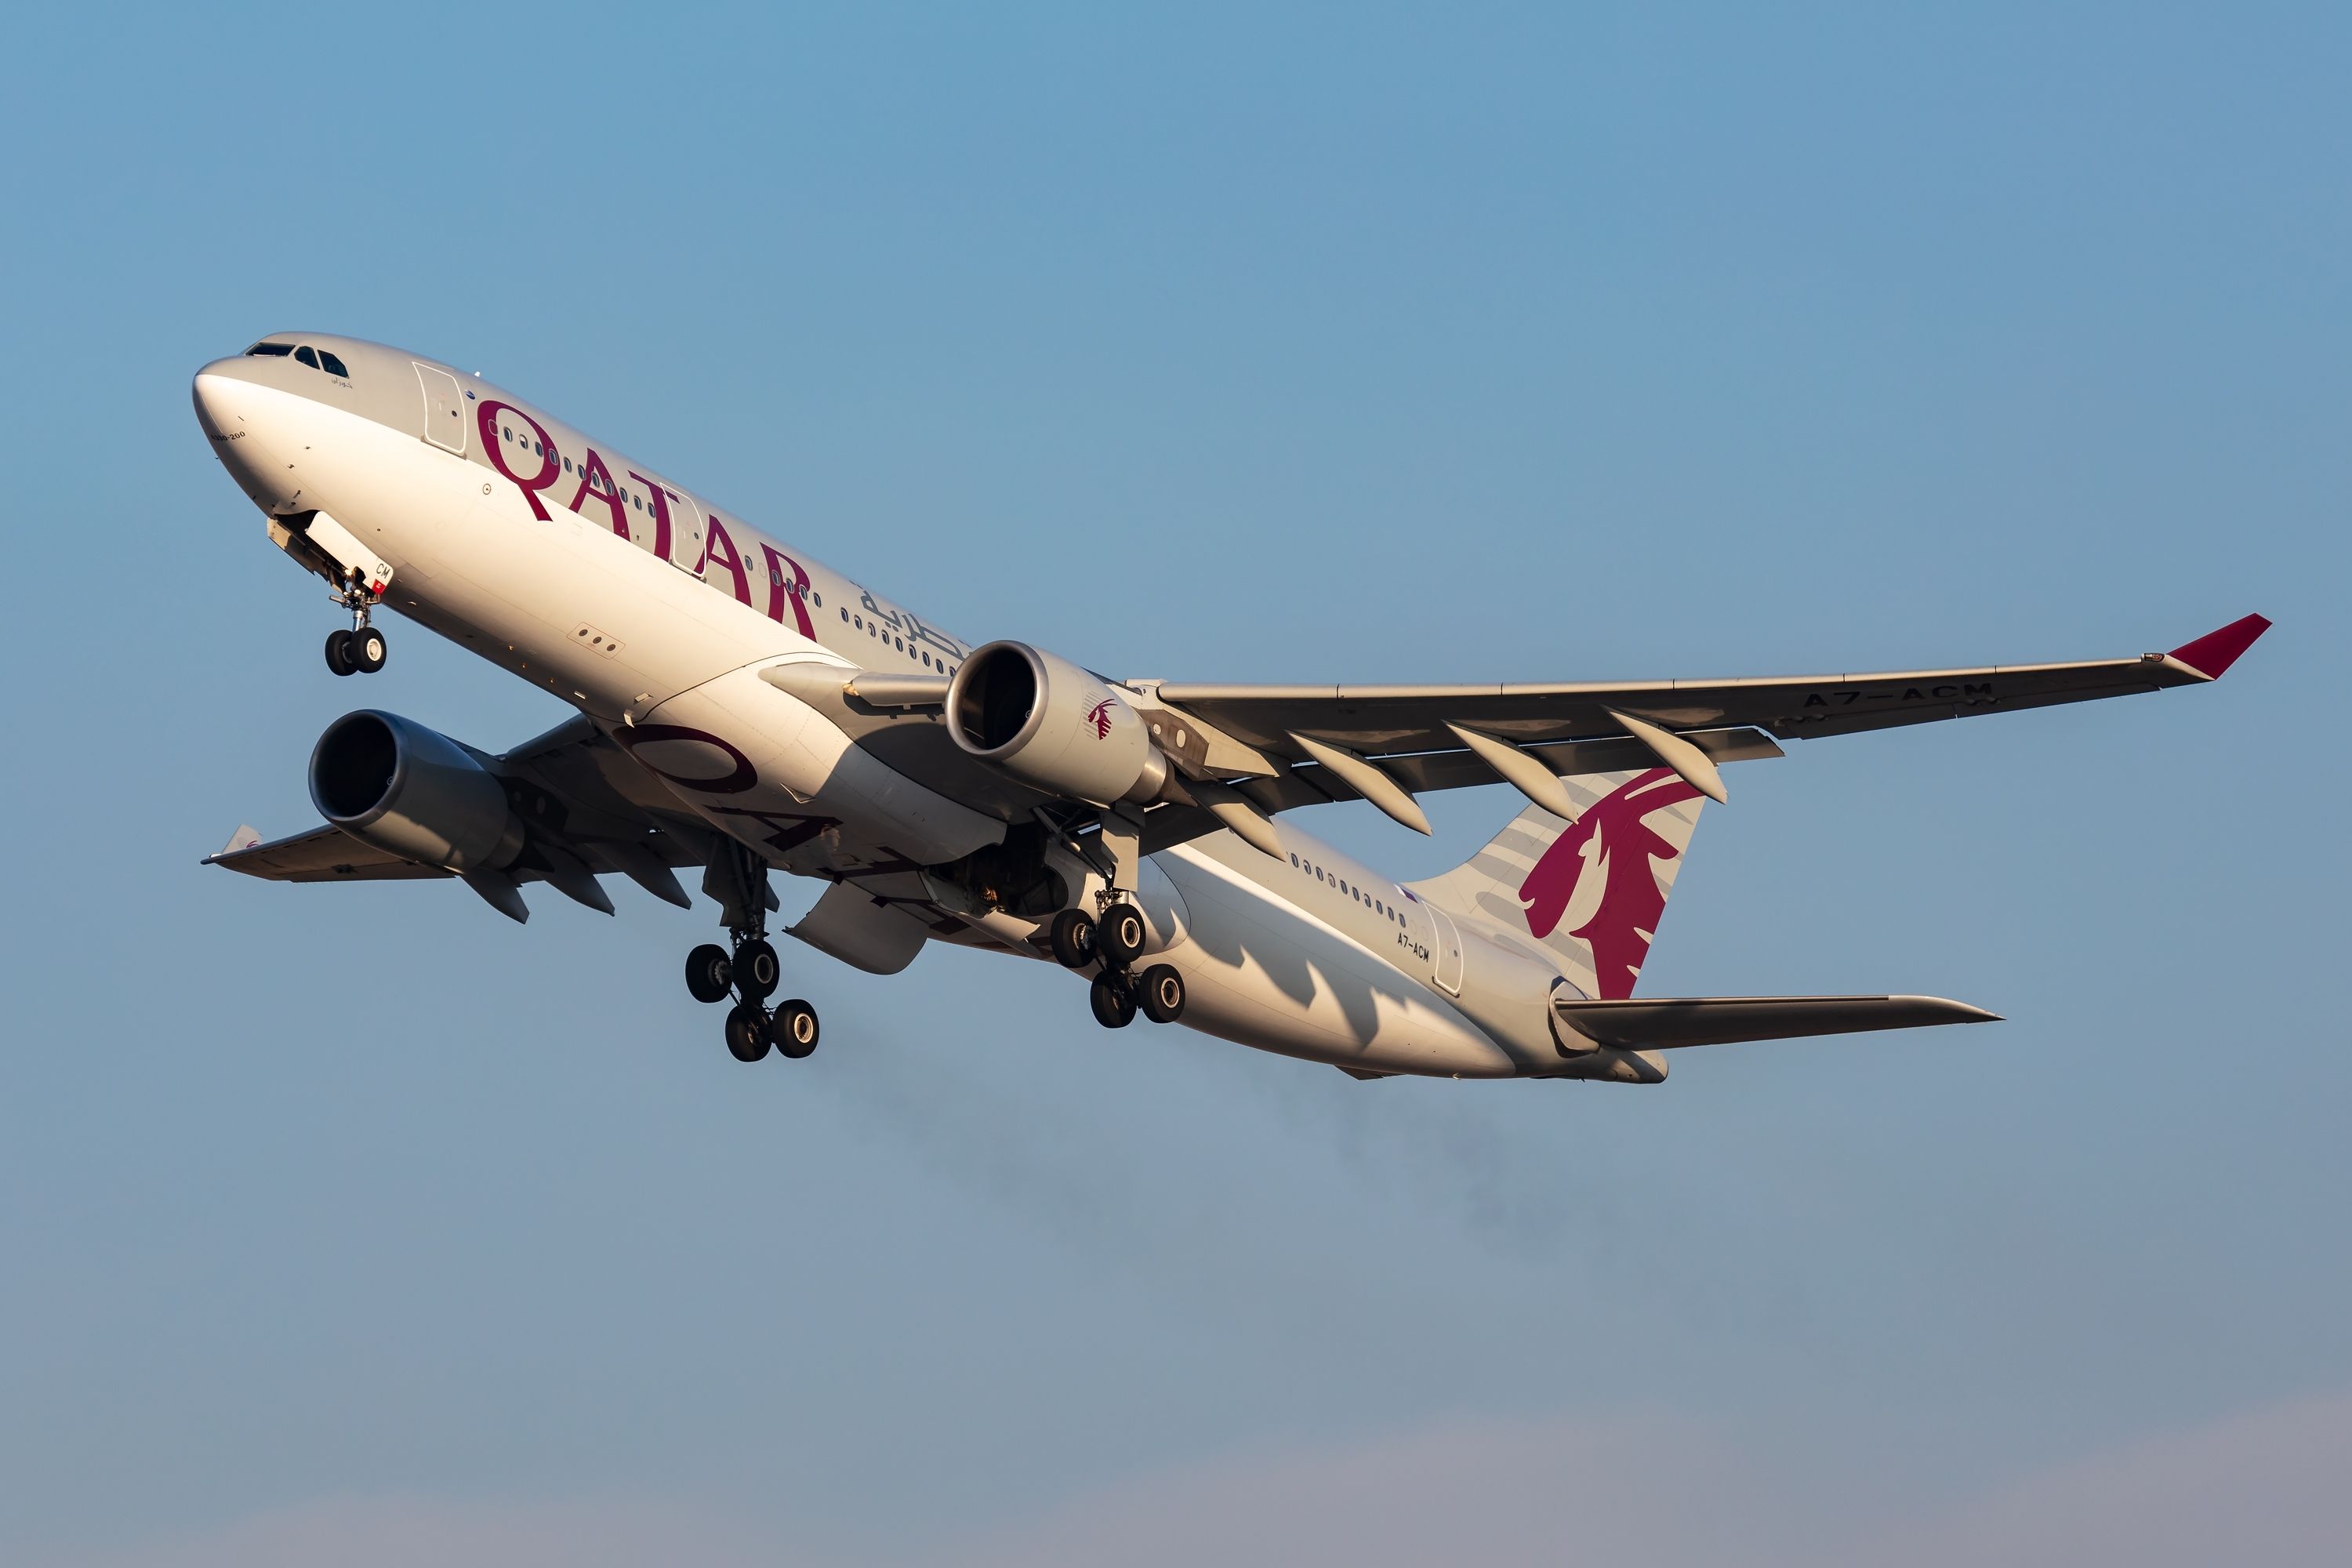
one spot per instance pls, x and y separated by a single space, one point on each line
652 612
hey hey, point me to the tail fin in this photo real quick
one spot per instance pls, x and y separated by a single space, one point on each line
1588 892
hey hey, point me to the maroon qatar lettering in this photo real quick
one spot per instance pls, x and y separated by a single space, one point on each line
495 442
596 484
720 550
777 597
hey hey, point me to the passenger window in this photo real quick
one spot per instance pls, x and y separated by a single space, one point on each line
332 365
304 356
266 351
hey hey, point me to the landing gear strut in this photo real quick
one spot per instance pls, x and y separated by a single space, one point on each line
361 650
751 972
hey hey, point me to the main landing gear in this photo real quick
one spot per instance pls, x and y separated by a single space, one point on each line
737 878
752 973
361 650
1118 939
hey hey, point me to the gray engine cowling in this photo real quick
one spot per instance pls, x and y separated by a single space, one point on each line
392 782
1052 725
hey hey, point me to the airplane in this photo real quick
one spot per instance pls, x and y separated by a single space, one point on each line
742 709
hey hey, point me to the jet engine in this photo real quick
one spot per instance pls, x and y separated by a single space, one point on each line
1050 724
394 784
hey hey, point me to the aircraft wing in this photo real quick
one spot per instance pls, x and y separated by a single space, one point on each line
1245 752
1384 721
321 855
591 812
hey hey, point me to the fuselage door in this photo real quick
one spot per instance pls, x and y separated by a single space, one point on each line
1446 962
445 409
686 541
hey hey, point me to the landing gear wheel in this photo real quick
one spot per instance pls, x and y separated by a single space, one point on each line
1072 936
709 975
747 1033
339 652
1114 1009
795 1028
1122 934
757 969
366 649
1162 991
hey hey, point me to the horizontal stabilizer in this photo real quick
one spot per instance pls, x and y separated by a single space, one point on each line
1665 1023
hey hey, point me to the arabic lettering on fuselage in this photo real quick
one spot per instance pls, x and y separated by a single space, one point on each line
791 592
905 624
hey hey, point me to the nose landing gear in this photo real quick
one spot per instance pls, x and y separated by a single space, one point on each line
361 650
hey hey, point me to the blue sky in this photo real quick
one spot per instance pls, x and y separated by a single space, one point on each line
1242 342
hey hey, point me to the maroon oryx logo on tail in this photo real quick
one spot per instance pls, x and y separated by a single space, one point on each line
1099 717
1626 917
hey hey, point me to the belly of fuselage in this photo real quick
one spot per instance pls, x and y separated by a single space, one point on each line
1262 972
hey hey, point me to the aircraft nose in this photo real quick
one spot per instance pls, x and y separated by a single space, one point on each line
230 400
215 393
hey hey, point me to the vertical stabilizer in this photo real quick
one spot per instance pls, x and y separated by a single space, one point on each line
1590 892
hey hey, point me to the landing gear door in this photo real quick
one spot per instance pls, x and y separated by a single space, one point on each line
445 409
688 545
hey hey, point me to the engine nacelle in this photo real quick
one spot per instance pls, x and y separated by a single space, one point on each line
400 786
1049 723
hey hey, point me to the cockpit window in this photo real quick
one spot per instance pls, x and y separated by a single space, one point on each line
263 350
304 356
332 365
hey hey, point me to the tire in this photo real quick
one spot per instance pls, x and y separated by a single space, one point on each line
1072 936
710 973
1122 935
1114 1009
747 1033
758 970
1161 992
339 652
367 650
795 1028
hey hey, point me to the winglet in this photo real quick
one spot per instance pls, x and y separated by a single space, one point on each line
2211 655
245 837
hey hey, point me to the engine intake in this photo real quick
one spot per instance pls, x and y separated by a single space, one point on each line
1050 724
392 782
